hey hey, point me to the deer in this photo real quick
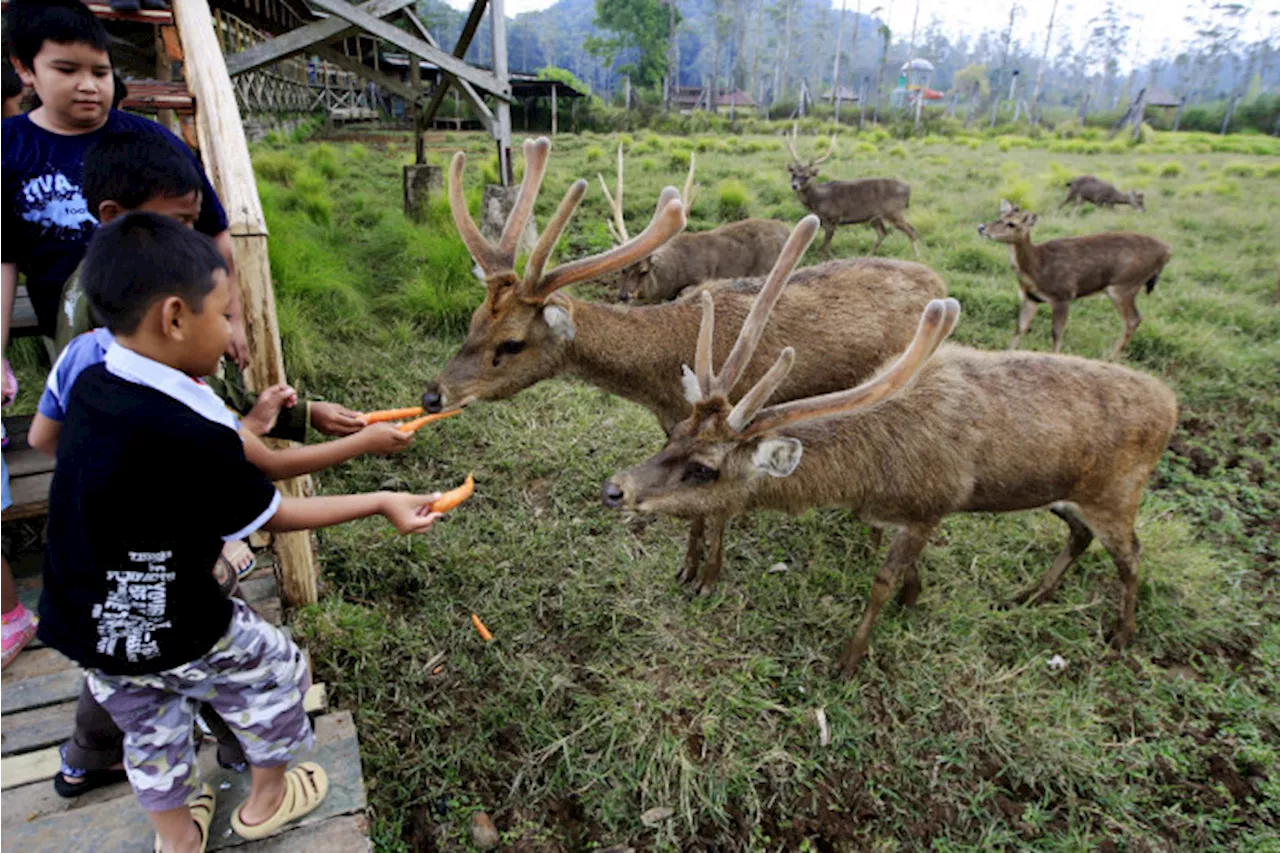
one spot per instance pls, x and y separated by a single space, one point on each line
733 250
1069 268
527 329
871 200
1100 193
941 430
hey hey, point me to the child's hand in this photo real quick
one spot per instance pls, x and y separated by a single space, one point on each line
410 513
332 419
385 438
262 417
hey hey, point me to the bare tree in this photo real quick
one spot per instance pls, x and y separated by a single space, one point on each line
1006 42
1044 63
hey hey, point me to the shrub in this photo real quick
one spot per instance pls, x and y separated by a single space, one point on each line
1171 169
1145 168
898 150
1239 169
732 200
324 160
648 164
1020 192
593 153
275 166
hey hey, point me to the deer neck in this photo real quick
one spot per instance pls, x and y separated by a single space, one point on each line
1026 258
635 353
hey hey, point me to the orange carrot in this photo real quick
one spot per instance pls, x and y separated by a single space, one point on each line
390 415
481 629
453 497
415 425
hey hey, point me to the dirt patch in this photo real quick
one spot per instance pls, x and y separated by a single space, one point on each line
1223 771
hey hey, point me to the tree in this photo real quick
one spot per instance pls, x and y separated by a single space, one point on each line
640 29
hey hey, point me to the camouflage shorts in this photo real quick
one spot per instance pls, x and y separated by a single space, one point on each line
254 677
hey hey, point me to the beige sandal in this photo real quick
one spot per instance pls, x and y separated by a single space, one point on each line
305 787
201 813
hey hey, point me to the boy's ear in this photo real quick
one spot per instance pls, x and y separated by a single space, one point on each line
109 210
24 73
173 313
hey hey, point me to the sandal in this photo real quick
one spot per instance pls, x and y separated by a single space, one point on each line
305 787
201 806
90 780
18 641
235 563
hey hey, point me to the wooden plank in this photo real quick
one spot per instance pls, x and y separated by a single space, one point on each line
386 81
27 462
107 827
102 10
172 45
472 96
459 50
36 662
24 315
305 37
27 731
341 834
493 83
30 497
40 690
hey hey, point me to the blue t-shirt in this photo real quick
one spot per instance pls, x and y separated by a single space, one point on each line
47 224
84 351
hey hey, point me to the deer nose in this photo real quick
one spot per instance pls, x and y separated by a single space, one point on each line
624 296
982 229
431 399
611 494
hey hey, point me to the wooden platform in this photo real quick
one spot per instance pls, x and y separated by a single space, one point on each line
30 473
37 705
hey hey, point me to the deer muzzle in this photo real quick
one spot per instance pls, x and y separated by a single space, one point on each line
432 399
612 495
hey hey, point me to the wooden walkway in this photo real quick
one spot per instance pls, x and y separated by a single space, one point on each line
37 705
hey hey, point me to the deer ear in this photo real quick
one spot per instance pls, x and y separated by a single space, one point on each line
1031 220
561 324
692 387
777 457
1005 207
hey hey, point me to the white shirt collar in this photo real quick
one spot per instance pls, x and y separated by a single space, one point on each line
195 395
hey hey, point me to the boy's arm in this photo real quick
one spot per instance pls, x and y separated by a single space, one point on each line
43 434
296 461
409 513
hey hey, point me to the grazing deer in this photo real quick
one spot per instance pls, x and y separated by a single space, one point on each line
1100 194
855 314
919 441
1069 268
871 200
734 250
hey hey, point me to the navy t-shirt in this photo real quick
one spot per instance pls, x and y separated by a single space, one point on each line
146 489
47 224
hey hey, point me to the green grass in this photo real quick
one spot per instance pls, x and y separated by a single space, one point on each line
607 692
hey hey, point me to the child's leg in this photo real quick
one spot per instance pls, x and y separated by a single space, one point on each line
159 750
17 624
230 752
92 756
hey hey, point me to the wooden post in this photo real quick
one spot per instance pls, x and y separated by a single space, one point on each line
498 31
164 73
553 110
415 82
1177 117
226 158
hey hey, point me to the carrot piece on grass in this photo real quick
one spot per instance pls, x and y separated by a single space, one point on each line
481 629
415 425
390 415
453 497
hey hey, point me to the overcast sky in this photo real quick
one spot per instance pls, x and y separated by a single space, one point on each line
1156 23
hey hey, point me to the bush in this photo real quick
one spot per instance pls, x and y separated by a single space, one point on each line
1020 192
733 200
275 166
1171 169
898 150
593 153
1238 169
324 160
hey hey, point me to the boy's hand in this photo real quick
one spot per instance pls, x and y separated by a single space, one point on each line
410 513
336 420
238 346
385 438
262 417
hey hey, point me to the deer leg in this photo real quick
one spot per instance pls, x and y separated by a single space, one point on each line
829 231
1025 315
1126 303
1060 312
903 553
715 556
874 539
900 222
1077 542
881 233
1114 529
1075 210
693 551
1066 201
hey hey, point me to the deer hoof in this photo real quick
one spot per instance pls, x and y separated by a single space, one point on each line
908 594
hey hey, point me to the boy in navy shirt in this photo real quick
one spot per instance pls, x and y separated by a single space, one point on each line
60 49
151 478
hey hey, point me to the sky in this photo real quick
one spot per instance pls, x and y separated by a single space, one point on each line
1156 22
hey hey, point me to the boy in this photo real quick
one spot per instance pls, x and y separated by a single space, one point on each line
60 49
151 478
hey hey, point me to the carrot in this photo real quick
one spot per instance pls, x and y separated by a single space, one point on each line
390 415
453 497
481 629
415 425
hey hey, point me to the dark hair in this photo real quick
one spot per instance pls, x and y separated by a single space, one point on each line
31 24
130 168
141 257
12 82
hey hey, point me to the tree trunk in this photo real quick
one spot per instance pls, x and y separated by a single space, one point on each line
786 52
1231 108
1044 61
835 71
1177 117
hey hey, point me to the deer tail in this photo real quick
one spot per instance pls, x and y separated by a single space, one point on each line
1151 282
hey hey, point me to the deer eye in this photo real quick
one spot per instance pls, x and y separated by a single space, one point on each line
507 348
696 472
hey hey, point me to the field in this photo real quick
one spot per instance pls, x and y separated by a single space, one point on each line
608 693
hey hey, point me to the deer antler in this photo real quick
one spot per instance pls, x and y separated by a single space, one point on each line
791 141
494 260
668 221
690 192
618 227
551 234
825 157
936 322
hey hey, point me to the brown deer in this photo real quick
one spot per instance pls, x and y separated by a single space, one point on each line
923 439
855 313
1099 193
733 250
1069 268
871 200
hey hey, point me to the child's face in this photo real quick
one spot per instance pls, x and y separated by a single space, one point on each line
208 333
74 83
184 208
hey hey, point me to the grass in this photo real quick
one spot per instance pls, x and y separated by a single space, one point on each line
607 692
